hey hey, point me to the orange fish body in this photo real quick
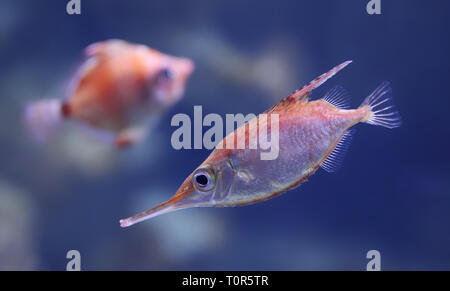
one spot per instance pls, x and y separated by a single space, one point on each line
118 88
311 134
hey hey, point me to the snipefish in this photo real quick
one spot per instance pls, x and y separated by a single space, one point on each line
312 134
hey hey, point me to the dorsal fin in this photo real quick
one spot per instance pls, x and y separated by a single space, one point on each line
338 97
95 49
102 47
304 93
334 160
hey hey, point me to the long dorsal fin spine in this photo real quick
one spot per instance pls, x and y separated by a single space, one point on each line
304 93
324 77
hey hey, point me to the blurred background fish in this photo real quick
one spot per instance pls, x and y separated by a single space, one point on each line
118 90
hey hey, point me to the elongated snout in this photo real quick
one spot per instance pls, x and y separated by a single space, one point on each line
179 201
165 207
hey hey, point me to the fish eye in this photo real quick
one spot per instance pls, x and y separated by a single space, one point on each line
204 179
166 74
201 180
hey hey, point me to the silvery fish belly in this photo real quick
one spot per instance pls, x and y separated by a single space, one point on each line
306 135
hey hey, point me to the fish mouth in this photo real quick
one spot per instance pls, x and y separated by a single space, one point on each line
177 202
186 68
162 208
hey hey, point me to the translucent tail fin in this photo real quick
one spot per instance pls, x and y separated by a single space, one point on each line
43 118
382 110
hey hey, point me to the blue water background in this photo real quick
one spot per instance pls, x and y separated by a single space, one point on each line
392 193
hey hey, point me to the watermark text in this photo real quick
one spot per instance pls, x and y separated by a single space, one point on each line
243 132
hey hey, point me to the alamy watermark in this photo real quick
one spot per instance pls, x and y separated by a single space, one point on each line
75 260
245 132
375 260
373 7
73 7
